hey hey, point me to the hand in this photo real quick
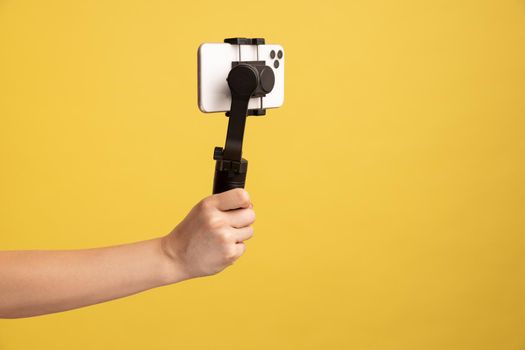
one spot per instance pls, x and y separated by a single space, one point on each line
211 236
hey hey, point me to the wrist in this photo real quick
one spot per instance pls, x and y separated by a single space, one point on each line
175 270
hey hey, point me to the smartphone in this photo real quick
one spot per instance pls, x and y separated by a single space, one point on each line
214 64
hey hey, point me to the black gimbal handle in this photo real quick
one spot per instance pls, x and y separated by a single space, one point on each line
245 80
228 179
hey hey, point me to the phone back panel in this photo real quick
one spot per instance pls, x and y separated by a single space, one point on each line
214 64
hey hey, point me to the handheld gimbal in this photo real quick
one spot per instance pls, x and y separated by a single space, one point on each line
246 79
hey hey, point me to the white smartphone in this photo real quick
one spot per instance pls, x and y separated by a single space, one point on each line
214 64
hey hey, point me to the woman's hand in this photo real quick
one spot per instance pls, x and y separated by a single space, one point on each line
37 282
211 236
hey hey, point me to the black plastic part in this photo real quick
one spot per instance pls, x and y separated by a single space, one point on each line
228 179
253 112
245 80
244 41
230 167
264 76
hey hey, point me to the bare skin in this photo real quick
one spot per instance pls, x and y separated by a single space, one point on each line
210 238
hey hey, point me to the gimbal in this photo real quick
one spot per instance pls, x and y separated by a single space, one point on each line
245 80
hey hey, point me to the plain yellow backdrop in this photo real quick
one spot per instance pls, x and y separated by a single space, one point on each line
389 189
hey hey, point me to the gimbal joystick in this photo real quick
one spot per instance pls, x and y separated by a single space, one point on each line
246 80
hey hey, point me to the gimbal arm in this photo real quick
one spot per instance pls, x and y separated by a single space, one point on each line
244 80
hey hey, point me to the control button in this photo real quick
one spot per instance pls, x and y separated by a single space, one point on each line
272 54
280 54
276 64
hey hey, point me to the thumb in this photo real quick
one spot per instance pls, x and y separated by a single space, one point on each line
232 199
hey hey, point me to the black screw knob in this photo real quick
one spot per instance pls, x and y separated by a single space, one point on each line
217 153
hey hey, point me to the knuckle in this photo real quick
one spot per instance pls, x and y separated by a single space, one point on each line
230 255
243 249
242 196
251 215
225 236
215 222
205 204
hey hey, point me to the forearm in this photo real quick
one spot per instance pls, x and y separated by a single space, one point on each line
210 238
34 282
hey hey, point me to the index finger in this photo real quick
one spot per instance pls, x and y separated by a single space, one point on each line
232 199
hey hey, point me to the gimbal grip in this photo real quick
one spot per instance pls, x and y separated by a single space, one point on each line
227 178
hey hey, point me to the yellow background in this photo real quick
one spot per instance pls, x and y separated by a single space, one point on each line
389 189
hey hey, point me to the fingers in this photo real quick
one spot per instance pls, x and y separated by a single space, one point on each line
240 217
241 248
242 234
232 199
